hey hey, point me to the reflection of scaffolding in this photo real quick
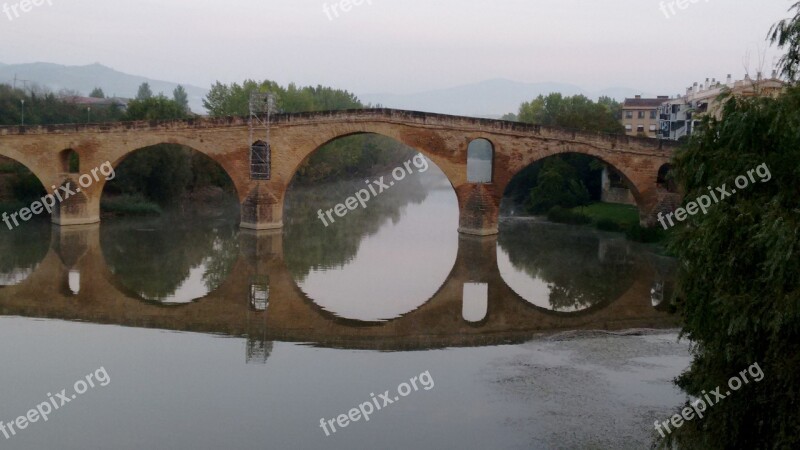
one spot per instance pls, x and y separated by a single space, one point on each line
262 105
258 347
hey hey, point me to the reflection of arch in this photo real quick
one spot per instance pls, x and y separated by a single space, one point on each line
475 300
480 161
665 179
564 270
70 161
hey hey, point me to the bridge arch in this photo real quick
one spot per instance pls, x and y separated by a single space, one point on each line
639 174
232 164
432 152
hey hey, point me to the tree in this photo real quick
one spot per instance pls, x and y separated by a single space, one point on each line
180 97
511 117
144 92
155 108
557 185
233 100
739 275
97 93
786 34
577 112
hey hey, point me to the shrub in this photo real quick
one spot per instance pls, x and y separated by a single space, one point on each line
560 215
135 205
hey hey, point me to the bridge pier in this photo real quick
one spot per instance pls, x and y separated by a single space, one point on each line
262 209
75 206
479 209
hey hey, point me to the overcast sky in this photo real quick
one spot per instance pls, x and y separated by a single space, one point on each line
402 46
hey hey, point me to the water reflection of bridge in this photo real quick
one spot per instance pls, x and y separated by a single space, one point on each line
260 300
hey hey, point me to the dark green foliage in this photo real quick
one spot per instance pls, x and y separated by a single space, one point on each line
561 215
558 184
155 108
577 112
232 100
160 173
25 187
45 108
134 205
144 93
740 275
181 98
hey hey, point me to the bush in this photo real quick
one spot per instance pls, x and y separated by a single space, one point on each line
560 215
135 205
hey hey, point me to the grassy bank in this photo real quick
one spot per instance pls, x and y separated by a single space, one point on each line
609 217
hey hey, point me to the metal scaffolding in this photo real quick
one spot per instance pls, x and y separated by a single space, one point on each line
262 105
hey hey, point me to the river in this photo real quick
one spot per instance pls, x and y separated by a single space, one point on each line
545 336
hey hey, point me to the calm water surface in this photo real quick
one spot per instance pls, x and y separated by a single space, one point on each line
215 337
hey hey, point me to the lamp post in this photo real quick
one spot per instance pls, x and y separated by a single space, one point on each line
88 114
22 118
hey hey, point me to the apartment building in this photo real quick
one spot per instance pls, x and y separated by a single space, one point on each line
678 117
640 115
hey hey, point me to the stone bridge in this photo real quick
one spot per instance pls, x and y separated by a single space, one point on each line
45 150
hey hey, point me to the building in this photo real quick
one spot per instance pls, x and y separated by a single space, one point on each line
678 117
640 115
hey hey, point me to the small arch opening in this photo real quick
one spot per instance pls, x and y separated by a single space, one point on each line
666 181
70 161
480 161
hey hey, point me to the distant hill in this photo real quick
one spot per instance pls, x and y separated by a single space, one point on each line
490 98
85 78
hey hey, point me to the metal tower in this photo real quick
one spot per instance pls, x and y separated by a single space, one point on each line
262 105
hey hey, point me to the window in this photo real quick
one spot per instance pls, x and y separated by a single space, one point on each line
653 114
70 161
652 128
640 129
480 156
628 128
629 114
641 114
